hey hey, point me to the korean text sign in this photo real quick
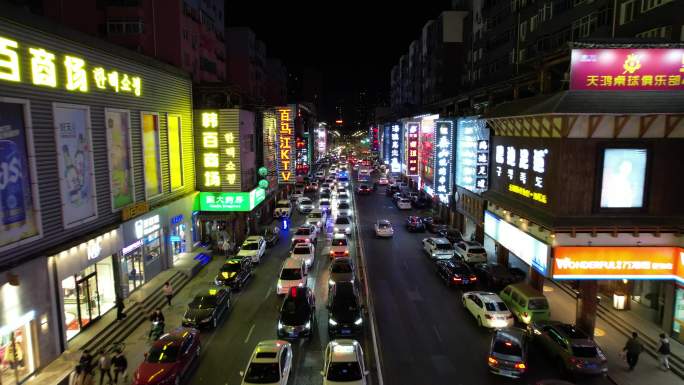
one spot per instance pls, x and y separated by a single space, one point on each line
472 154
285 145
633 69
220 150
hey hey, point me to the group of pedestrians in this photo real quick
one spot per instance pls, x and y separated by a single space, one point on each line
634 347
104 363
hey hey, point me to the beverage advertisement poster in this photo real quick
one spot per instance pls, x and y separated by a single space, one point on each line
120 166
75 162
18 216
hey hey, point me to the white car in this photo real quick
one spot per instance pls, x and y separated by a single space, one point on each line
253 247
383 228
292 274
488 309
324 204
316 218
343 210
383 181
342 225
324 186
438 248
344 363
404 204
320 174
305 251
307 233
283 209
343 197
270 363
339 246
297 194
471 252
305 205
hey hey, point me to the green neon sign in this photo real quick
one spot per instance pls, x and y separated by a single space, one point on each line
231 201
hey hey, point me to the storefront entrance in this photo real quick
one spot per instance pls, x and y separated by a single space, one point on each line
16 353
134 268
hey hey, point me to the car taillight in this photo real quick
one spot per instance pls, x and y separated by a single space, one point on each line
457 279
473 278
492 361
520 366
487 316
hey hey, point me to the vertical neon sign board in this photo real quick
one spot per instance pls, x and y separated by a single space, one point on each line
444 133
219 154
285 141
412 155
395 148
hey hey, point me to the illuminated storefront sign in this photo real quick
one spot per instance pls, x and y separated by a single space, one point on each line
442 159
72 73
615 262
146 226
530 250
472 154
426 155
374 136
231 201
219 155
523 170
412 144
633 69
285 145
302 160
396 138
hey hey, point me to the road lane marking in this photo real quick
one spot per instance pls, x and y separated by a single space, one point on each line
268 292
250 333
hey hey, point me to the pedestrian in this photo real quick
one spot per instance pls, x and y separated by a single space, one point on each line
120 367
227 248
168 292
105 366
83 377
120 309
75 374
664 352
633 348
86 361
156 318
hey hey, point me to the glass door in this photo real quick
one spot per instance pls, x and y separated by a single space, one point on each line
88 299
134 268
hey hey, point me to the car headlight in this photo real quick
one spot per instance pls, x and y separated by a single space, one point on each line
331 282
279 286
358 321
280 325
308 325
332 322
301 284
206 319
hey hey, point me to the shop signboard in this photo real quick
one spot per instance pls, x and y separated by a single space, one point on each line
231 201
219 155
285 143
143 226
374 139
302 154
627 69
134 210
413 134
426 152
472 154
442 162
529 249
396 145
386 144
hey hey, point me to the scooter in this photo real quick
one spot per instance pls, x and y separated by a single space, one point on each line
157 330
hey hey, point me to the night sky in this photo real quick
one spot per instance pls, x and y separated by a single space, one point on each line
353 43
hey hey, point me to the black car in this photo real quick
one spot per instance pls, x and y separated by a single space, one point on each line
414 224
364 189
297 314
453 236
455 273
206 308
345 316
235 272
434 226
495 276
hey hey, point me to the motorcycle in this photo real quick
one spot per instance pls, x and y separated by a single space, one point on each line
157 330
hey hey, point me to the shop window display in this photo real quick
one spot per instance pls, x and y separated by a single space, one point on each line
16 355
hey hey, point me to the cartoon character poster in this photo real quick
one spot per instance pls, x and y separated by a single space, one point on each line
75 162
120 168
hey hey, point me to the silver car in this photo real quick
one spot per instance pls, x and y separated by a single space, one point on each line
341 270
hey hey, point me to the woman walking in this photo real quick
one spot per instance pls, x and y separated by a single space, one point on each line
664 352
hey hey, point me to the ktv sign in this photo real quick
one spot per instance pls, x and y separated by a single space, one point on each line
285 145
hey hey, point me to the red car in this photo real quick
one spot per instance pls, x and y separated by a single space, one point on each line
170 358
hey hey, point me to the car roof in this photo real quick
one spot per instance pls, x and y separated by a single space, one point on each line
342 261
380 221
441 240
527 290
268 346
253 238
339 236
516 335
174 337
343 350
486 295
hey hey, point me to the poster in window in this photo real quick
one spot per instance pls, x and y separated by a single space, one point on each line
18 216
624 174
120 166
175 151
75 163
151 156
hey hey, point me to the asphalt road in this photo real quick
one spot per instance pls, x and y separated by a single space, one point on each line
254 316
425 336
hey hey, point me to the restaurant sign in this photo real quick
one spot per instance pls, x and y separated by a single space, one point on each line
231 201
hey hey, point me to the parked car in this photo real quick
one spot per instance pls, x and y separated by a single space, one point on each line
572 350
305 205
341 270
270 363
292 274
508 352
345 316
170 358
271 235
471 252
297 314
207 308
253 247
234 273
434 225
391 190
526 303
455 273
488 309
339 246
494 276
414 224
403 204
305 251
344 363
283 209
438 248
454 236
383 228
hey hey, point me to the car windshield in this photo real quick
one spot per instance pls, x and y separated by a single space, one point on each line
230 267
325 196
291 274
507 347
250 246
315 215
496 306
263 373
339 242
283 205
443 246
404 200
383 225
301 250
343 206
342 221
341 268
306 201
584 351
344 371
163 354
303 231
476 250
538 304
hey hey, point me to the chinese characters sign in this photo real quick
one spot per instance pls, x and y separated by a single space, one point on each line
442 159
634 69
472 155
412 150
523 170
374 139
219 154
232 201
285 145
395 140
385 139
302 161
48 69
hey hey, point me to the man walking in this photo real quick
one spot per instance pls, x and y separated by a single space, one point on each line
105 366
168 292
633 348
120 367
664 352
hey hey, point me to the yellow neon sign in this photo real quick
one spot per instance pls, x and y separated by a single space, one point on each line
76 79
539 197
9 60
43 70
209 120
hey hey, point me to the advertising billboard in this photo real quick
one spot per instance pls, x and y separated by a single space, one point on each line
386 143
426 156
442 161
285 143
520 168
374 139
632 69
529 249
412 139
624 176
219 150
120 158
472 154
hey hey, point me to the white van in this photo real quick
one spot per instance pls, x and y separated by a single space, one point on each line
292 274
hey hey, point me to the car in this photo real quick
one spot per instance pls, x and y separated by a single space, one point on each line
297 314
234 273
390 190
344 363
298 193
345 316
271 235
170 358
383 181
364 189
311 187
411 195
339 246
324 204
434 225
403 204
455 273
508 352
453 236
383 228
325 193
471 251
306 233
488 309
343 210
283 209
320 174
207 308
253 247
343 198
324 186
316 218
342 225
305 205
397 196
270 363
573 350
305 251
414 224
495 276
438 248
292 274
341 270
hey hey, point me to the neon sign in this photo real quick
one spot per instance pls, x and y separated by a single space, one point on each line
231 201
443 159
412 155
220 152
472 155
514 164
395 148
284 145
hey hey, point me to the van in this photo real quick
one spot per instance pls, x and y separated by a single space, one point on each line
292 274
526 303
